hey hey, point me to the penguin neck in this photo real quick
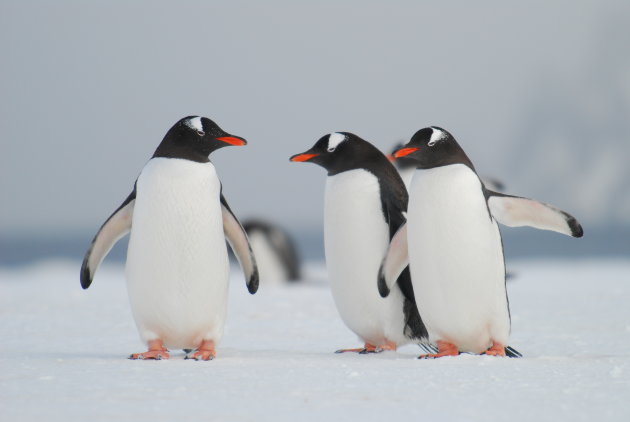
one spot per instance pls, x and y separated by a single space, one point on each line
459 157
172 150
369 159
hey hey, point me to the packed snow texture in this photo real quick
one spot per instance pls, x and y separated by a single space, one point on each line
63 355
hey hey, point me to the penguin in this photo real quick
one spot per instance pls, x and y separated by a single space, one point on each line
453 246
407 167
177 264
365 203
276 254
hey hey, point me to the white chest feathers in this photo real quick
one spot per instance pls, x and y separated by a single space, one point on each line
356 237
456 259
177 263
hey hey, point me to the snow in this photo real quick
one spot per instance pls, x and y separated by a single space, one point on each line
63 355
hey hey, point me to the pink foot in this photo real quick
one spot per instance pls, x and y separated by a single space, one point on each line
156 351
204 352
444 349
368 348
388 345
497 349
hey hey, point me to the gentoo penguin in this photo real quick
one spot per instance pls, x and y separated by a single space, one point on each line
365 202
177 263
276 254
407 167
453 246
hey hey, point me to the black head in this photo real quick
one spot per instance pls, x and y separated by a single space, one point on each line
342 151
433 147
194 138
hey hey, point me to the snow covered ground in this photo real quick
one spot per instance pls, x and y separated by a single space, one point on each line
63 355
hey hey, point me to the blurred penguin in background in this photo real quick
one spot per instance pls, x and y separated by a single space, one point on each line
276 254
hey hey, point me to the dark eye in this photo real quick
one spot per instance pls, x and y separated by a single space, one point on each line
331 149
201 132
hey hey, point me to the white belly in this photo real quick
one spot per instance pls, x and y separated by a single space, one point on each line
356 237
456 259
177 264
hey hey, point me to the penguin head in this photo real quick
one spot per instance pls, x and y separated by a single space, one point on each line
340 151
195 138
433 147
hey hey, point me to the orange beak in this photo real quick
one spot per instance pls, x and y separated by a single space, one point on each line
303 157
405 151
232 140
391 158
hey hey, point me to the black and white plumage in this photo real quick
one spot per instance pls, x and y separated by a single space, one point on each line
453 246
365 202
276 253
407 167
177 264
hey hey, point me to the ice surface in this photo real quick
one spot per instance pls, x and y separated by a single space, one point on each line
63 355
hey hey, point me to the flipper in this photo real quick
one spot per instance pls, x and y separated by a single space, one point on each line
514 211
395 261
114 228
237 238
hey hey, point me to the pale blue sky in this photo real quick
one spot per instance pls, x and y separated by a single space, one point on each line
538 94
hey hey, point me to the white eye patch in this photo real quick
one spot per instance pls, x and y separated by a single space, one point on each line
334 140
437 135
194 123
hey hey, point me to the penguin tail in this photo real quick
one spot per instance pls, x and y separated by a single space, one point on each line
428 348
512 352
